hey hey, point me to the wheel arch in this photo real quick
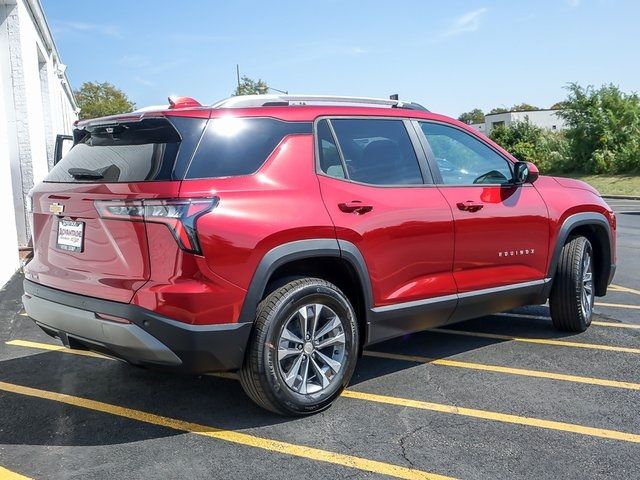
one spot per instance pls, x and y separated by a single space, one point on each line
337 261
595 227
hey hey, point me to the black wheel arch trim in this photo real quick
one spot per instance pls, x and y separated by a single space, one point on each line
570 224
300 250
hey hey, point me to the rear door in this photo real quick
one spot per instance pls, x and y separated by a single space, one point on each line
76 250
501 229
381 199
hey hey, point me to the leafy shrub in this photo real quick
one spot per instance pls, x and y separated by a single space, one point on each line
603 129
529 143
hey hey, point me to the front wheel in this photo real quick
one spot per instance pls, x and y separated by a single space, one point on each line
572 296
303 348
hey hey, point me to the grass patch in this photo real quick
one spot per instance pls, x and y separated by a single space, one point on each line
610 184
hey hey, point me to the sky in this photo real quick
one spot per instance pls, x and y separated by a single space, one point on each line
451 56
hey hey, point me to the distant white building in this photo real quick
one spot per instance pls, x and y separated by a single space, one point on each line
36 104
548 119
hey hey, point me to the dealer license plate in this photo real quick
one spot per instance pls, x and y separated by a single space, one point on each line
70 235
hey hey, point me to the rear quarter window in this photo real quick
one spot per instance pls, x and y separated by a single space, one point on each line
234 146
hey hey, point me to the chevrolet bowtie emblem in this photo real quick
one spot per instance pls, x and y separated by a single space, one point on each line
56 208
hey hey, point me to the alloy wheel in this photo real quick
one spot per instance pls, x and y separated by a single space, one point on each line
311 348
587 298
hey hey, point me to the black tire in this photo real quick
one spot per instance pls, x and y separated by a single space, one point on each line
262 376
568 311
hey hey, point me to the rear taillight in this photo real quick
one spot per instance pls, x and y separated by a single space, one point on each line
179 215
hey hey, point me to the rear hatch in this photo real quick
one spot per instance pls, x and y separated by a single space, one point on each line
127 160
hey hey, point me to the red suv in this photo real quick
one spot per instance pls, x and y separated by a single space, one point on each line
278 236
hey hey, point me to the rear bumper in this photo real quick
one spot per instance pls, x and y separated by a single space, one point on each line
149 338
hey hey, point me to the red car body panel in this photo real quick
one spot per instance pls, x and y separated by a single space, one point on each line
279 204
496 246
115 261
563 202
406 240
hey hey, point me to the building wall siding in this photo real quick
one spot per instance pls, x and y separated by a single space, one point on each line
36 104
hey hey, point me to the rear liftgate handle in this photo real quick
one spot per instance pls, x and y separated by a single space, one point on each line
355 206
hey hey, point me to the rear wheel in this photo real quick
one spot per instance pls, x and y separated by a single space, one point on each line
572 296
303 348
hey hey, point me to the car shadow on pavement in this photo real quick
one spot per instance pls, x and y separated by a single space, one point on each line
206 400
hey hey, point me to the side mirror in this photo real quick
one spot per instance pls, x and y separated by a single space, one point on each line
525 172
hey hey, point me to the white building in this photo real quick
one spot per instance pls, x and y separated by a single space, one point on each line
36 104
548 119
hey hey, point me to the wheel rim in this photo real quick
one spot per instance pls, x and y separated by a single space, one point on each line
587 298
311 348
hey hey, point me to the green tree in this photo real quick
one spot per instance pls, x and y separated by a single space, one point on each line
100 99
529 143
249 86
474 116
559 105
523 107
603 129
498 110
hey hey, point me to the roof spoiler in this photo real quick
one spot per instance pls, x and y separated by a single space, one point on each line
182 102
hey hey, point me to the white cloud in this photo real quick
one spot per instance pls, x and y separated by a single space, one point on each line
573 3
199 38
469 22
144 81
83 27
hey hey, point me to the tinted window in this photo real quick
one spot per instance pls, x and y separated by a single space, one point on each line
127 152
330 162
463 159
378 152
239 146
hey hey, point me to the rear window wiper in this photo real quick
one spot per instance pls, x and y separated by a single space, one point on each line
86 174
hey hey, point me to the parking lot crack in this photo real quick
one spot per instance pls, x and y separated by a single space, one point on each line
403 446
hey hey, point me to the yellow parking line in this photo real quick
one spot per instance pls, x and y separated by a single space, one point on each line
488 415
595 322
499 417
632 326
276 446
392 356
507 370
9 475
625 289
617 305
56 348
543 341
522 315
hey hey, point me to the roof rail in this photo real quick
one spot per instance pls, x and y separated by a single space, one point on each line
244 101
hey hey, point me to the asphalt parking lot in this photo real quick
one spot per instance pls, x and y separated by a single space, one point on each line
503 396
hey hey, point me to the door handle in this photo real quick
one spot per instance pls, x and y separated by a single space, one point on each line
355 206
470 206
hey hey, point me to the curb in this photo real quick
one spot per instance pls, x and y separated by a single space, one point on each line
622 197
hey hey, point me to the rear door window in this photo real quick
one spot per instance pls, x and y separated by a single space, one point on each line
377 151
234 146
126 152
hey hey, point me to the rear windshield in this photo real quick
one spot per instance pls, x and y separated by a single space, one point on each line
126 152
234 146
